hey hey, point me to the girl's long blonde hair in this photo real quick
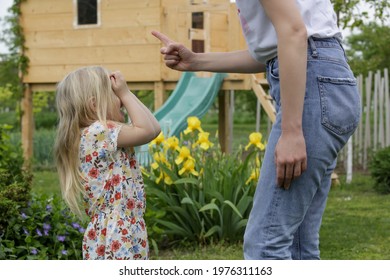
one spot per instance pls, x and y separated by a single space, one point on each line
83 97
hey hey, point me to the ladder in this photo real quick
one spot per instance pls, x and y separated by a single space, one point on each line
264 98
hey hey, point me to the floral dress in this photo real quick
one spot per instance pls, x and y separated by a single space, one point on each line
114 196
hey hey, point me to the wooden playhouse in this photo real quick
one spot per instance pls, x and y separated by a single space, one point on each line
64 35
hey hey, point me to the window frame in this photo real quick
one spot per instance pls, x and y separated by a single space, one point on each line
76 25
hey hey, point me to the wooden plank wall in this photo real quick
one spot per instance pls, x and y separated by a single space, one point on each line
222 32
122 41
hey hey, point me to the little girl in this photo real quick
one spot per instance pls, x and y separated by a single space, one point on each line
95 158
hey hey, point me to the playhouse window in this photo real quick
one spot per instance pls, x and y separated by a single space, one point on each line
197 20
87 12
198 46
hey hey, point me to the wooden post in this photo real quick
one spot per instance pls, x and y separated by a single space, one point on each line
158 95
27 123
360 127
387 106
367 126
225 132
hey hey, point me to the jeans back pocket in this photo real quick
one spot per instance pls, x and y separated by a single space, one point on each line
340 104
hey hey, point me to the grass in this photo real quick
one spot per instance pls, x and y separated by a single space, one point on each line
356 225
218 251
46 182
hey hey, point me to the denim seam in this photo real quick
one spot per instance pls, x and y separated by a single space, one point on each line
332 60
274 204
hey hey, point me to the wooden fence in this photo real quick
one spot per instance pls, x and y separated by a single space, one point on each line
373 132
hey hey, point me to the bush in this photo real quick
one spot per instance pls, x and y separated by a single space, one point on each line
43 144
43 148
197 193
15 182
14 194
45 120
11 154
44 230
10 118
380 170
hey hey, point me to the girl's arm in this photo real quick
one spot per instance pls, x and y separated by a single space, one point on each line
180 58
290 152
144 126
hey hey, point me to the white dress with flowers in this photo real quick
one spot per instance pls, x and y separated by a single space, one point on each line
114 196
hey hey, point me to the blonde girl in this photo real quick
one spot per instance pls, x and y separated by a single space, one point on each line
96 160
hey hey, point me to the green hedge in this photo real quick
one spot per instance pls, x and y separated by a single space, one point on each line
380 170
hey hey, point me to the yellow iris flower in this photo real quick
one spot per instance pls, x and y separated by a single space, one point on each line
203 141
159 157
158 140
193 124
189 166
167 179
184 153
172 143
255 139
253 177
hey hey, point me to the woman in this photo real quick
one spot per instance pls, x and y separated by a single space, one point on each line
297 43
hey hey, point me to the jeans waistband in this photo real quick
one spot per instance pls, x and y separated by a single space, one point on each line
314 43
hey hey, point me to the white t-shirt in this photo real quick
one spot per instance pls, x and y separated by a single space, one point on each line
318 16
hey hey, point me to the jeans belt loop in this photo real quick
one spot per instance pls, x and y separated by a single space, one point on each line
313 47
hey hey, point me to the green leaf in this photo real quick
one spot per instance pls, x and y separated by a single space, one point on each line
213 230
187 200
175 229
233 207
193 181
210 206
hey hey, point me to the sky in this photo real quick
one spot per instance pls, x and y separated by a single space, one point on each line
4 5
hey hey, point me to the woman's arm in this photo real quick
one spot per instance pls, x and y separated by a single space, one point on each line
290 152
180 58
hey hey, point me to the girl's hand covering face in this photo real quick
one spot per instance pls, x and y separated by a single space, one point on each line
118 83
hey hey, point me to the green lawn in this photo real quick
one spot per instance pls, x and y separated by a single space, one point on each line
46 182
356 225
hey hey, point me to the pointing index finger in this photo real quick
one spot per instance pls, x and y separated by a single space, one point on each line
162 37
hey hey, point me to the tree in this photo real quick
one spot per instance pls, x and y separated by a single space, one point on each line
369 49
350 14
14 64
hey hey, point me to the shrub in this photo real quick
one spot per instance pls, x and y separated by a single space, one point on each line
45 120
15 182
44 230
11 155
14 194
10 118
43 148
380 170
196 192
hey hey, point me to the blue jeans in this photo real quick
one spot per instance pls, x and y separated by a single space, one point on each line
285 224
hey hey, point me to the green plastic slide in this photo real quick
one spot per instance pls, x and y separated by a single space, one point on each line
192 96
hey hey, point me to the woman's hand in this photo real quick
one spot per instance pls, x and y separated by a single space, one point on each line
176 55
290 157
